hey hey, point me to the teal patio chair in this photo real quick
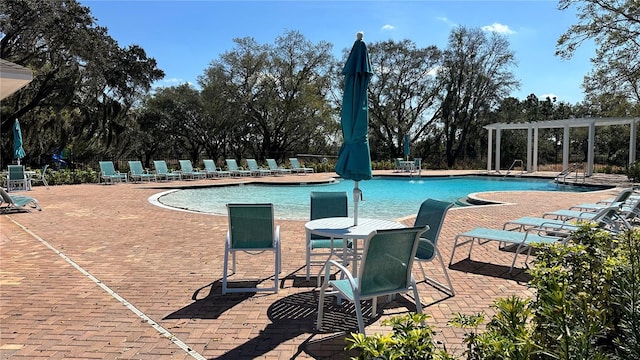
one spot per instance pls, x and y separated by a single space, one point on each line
385 270
163 173
275 169
212 170
41 177
432 213
16 203
296 167
232 165
251 230
138 173
255 169
109 175
325 204
17 178
188 172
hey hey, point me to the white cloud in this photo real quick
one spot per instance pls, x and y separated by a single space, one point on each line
388 27
445 20
173 81
551 96
498 28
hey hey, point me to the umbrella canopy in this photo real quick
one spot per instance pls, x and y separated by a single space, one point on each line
18 151
407 150
354 159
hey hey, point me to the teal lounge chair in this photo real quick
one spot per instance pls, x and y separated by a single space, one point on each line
17 178
16 203
212 170
325 204
432 214
251 230
622 198
188 172
385 270
163 173
523 240
109 175
255 169
275 169
138 173
232 165
296 167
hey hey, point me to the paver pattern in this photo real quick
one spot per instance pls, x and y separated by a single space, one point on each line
167 265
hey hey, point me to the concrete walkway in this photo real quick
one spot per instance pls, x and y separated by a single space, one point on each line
102 273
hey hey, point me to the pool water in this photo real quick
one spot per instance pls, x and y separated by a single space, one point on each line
383 198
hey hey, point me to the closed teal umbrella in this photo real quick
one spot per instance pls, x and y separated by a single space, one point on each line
354 159
18 151
407 149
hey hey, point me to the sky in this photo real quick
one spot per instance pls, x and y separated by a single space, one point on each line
186 36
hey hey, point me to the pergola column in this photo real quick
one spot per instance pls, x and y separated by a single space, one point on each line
498 134
591 149
565 148
535 149
489 149
529 150
632 142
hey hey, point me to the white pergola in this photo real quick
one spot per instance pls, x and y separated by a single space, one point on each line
532 139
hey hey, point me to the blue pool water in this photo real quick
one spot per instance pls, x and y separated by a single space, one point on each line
384 198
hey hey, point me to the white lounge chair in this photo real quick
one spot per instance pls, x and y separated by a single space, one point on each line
13 203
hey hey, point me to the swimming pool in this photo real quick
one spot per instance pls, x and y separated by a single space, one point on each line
384 198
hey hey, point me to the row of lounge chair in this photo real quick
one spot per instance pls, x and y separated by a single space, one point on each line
613 215
109 175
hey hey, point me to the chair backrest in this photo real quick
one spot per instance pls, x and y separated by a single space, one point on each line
326 204
209 165
16 172
252 164
161 166
611 219
5 197
107 168
186 166
273 165
136 167
251 226
432 212
295 163
232 164
387 261
417 162
624 195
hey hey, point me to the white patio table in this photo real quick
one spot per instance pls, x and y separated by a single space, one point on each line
343 228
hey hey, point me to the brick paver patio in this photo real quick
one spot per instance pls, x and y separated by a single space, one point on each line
102 273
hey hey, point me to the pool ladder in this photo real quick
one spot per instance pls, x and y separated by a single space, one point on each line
513 165
574 168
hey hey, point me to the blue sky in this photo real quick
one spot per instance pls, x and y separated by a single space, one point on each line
185 36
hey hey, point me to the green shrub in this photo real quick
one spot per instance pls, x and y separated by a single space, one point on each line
633 173
409 340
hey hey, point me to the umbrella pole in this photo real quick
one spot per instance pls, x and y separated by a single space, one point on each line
357 195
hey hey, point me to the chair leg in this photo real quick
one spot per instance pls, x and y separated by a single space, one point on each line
358 307
225 270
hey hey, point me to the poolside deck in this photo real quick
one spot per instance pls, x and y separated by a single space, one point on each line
102 273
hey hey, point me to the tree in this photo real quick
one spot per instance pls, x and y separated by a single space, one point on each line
614 25
84 84
279 96
403 91
475 75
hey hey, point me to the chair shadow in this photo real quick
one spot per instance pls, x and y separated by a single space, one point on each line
487 269
296 314
213 304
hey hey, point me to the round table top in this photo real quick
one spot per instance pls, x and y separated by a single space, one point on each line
342 227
